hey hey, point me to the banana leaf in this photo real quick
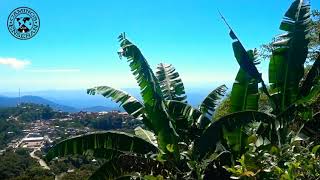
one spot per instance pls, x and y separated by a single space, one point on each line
128 102
215 132
131 166
244 94
286 67
152 96
210 103
118 141
170 83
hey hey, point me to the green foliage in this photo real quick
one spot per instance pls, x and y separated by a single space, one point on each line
18 164
118 142
146 135
170 83
244 94
210 103
189 122
132 166
191 146
9 126
28 112
286 67
286 71
291 161
228 128
128 102
107 122
314 44
151 94
224 108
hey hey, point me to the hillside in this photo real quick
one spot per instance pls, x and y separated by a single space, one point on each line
14 101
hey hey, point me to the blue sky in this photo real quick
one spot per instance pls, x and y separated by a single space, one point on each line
76 46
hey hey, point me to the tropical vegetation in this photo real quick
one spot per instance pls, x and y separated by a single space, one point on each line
178 141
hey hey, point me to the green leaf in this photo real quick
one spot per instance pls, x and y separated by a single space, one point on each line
215 132
311 128
315 149
184 115
151 94
103 153
244 94
146 135
286 67
170 83
128 102
188 122
149 84
311 97
245 61
210 103
130 165
113 140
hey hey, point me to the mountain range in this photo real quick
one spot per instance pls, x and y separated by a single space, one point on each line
79 100
14 101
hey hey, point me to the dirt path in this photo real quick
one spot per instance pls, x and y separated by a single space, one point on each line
41 161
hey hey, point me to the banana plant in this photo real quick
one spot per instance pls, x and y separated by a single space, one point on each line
188 136
112 141
170 82
185 120
163 110
287 67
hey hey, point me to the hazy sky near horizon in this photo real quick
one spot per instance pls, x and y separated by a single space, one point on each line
76 46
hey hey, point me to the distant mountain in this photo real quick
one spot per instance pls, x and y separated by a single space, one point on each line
14 101
79 100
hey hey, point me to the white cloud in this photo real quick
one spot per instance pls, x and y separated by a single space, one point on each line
14 63
53 70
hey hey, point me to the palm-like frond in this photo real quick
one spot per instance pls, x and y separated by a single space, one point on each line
242 56
245 60
244 94
209 104
146 135
215 132
149 84
128 102
170 83
188 121
118 141
286 67
185 113
151 94
130 165
103 153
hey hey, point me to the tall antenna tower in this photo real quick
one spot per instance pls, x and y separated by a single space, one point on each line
19 98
